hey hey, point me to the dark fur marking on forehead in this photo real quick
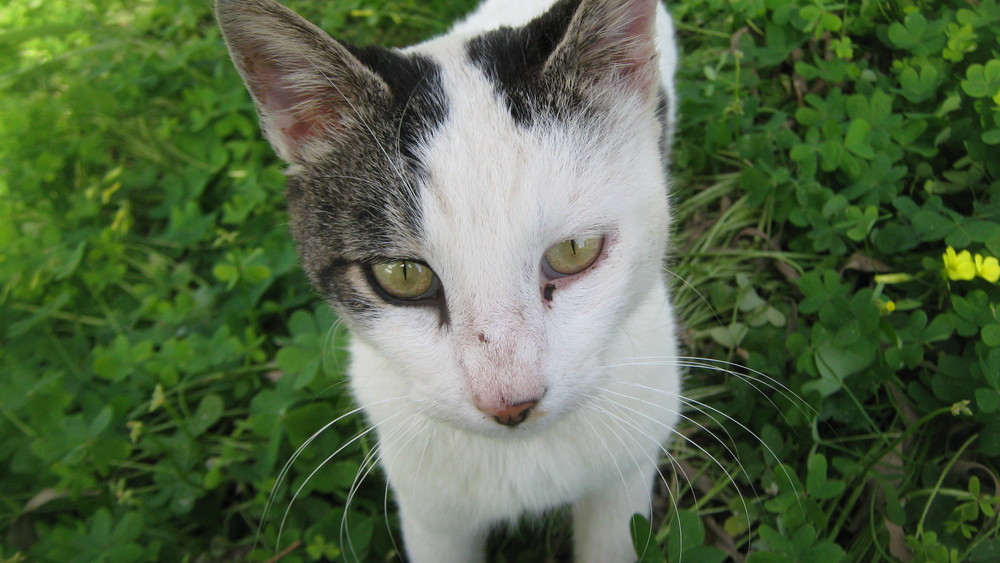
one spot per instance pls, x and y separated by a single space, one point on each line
418 98
362 200
513 60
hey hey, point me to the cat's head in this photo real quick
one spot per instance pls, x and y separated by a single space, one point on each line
485 211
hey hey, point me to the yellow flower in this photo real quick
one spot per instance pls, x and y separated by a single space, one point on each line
988 268
958 266
885 307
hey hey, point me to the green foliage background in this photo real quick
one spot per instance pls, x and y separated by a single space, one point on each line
162 357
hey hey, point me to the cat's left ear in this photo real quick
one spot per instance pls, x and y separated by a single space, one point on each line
309 89
610 44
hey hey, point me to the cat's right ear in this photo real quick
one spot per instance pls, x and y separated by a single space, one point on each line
307 86
611 44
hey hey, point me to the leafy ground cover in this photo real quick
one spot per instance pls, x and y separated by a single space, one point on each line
838 192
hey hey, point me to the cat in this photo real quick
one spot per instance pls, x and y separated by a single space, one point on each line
488 214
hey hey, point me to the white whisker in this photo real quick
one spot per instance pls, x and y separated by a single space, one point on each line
385 497
368 464
618 420
700 406
291 460
705 452
726 367
610 454
671 411
357 437
696 292
772 382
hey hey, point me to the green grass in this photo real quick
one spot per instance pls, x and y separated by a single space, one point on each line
162 357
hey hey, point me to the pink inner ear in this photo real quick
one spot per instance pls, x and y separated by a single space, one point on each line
292 113
295 130
629 46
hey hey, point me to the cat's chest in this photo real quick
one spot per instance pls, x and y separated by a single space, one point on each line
478 477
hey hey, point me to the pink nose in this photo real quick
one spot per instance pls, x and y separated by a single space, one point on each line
509 415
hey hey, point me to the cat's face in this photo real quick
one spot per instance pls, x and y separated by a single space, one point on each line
485 212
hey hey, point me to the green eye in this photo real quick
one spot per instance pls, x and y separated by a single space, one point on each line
573 256
404 279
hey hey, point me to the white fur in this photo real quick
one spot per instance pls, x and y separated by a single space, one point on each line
498 196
